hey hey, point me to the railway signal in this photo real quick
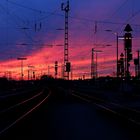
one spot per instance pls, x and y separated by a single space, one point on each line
128 49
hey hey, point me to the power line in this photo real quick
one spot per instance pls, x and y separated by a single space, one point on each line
121 6
73 17
19 26
26 7
133 16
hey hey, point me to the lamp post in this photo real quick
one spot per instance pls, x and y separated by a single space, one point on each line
117 43
138 63
22 58
117 50
97 51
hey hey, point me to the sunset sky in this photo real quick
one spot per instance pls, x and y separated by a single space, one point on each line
88 22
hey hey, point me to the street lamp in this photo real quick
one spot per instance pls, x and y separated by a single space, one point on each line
117 50
21 58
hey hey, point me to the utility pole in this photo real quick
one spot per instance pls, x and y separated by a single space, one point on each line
22 58
117 51
28 74
71 73
137 65
31 73
62 71
97 51
48 70
92 64
117 43
56 69
121 66
66 9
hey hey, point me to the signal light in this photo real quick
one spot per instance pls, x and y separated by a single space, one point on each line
68 67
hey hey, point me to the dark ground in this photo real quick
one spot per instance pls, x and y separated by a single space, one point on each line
70 119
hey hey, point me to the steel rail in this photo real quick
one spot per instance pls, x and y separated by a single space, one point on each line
20 103
26 113
105 106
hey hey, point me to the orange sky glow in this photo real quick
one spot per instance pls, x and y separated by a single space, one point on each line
88 23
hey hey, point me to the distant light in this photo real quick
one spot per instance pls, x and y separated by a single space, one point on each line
121 38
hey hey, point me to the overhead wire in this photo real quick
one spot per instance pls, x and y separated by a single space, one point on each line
20 26
82 19
76 18
118 9
57 14
26 7
126 21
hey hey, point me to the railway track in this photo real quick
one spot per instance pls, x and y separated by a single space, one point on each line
126 113
11 115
